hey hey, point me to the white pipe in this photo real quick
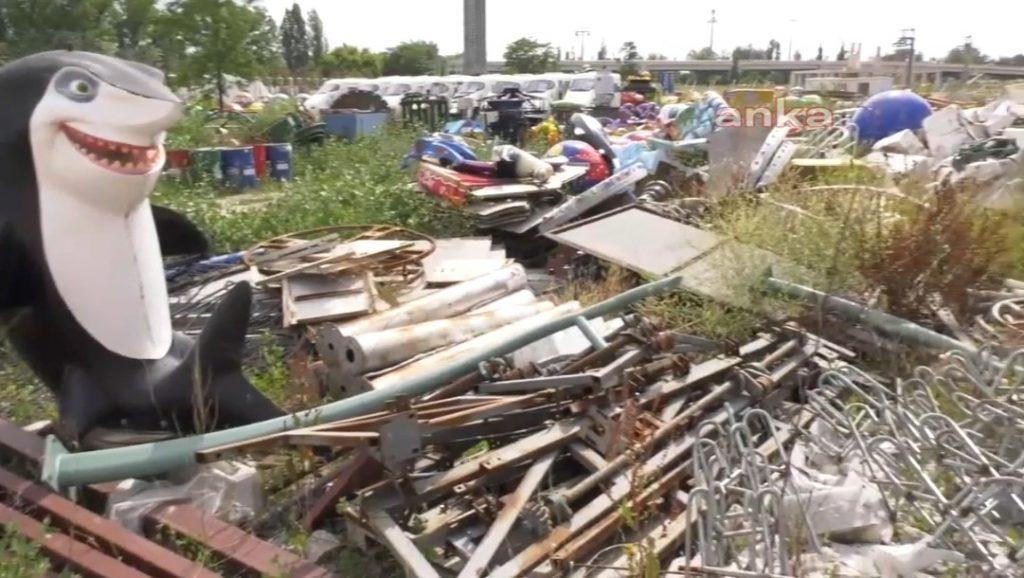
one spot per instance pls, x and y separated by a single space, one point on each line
371 351
467 349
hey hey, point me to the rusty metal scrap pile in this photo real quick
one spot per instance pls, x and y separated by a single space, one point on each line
612 446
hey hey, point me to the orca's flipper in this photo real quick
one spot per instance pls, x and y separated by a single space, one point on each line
15 289
178 235
217 363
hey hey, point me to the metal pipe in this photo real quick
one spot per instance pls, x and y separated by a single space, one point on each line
468 348
359 354
521 297
879 320
62 469
588 331
447 302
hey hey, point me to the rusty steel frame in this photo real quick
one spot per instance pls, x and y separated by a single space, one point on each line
65 551
477 564
110 536
238 548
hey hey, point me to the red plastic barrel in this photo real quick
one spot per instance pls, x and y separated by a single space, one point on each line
259 155
179 159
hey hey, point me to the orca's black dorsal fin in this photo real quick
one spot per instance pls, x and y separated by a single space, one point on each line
218 358
221 343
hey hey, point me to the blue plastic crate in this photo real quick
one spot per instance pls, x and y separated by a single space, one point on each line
351 125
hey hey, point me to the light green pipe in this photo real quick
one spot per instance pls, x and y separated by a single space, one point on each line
62 469
894 326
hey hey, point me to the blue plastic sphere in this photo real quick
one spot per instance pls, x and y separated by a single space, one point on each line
888 113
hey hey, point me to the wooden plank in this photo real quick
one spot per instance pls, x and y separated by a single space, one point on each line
110 536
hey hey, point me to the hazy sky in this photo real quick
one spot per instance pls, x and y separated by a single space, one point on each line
674 27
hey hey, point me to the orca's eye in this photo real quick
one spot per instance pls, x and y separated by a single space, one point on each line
76 84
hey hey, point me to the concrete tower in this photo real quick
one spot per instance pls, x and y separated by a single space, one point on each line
474 50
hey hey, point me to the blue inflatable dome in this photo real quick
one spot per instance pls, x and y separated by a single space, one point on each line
888 113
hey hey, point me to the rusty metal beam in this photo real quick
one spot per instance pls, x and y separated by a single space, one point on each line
535 554
65 551
25 445
517 452
360 470
110 536
400 545
496 534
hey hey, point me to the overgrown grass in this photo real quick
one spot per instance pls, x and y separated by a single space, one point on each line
21 557
342 183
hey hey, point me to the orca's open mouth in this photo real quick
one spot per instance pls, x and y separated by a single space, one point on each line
118 157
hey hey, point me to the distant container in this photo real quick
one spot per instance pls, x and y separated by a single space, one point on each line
279 160
352 125
204 163
178 159
259 157
238 167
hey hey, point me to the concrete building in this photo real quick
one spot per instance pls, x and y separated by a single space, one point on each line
474 51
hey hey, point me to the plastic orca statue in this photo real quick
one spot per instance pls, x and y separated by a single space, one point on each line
82 289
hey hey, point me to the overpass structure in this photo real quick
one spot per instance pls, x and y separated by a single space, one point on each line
934 72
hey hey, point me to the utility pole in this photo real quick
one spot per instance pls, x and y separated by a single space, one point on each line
907 41
789 50
968 48
711 41
582 34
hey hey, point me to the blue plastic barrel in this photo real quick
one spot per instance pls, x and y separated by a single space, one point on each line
279 157
239 167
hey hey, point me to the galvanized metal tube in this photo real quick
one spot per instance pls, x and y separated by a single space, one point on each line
357 355
62 469
447 302
522 297
588 331
879 320
469 348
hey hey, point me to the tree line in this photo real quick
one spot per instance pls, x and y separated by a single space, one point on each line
201 41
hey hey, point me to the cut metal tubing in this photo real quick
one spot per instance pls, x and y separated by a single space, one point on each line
856 312
62 469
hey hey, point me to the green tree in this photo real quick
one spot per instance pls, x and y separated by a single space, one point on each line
411 58
1016 60
38 25
217 37
629 54
317 40
966 53
347 60
528 55
134 28
702 54
295 39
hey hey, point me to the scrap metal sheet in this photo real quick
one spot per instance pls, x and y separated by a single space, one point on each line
638 240
462 259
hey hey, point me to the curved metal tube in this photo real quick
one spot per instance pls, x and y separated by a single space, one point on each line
62 469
